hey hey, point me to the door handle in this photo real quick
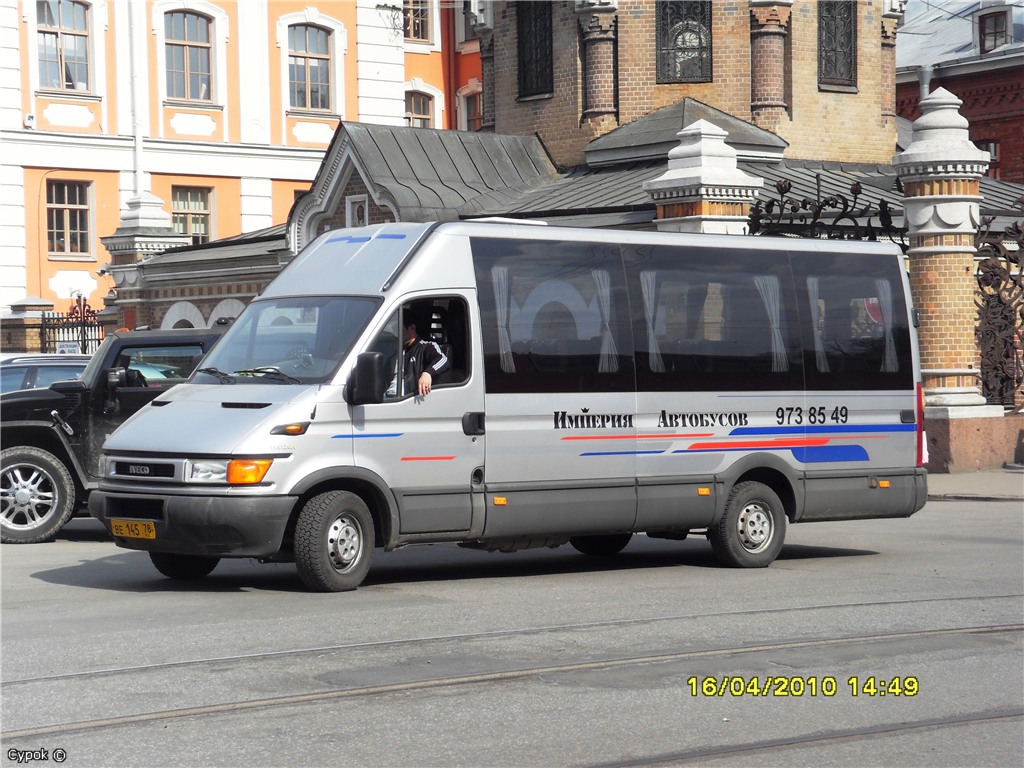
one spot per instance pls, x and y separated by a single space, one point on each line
473 422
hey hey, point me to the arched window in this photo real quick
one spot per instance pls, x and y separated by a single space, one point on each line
189 56
63 36
309 67
419 110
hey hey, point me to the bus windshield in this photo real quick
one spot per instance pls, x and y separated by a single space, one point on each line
295 340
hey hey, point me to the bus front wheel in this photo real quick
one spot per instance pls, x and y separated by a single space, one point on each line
751 531
334 541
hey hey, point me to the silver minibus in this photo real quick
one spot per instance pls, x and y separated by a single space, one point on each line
597 384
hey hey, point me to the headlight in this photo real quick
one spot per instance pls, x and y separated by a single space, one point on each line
232 472
206 471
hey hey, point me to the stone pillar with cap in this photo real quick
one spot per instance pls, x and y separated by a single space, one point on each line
145 230
703 189
940 172
597 27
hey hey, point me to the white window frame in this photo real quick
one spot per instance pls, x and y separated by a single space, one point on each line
417 46
351 203
416 84
339 47
472 88
98 26
219 29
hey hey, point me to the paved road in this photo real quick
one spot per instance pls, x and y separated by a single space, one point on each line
452 657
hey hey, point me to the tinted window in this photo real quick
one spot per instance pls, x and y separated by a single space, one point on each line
712 321
555 316
858 336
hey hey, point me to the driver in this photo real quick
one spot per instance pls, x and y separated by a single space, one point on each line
422 360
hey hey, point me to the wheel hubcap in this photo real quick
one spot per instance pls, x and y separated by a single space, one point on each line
344 542
755 527
26 497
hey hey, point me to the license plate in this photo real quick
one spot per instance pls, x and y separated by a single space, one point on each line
133 529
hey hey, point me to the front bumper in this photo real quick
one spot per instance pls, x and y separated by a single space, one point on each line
220 526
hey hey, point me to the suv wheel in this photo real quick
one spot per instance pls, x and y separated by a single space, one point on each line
37 495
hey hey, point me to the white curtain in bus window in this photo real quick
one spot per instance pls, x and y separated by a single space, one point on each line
649 289
889 360
771 295
609 362
503 296
818 315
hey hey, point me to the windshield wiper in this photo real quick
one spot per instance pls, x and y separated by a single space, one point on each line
270 372
223 378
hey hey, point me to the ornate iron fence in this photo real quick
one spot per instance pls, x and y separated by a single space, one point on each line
1000 302
61 331
834 217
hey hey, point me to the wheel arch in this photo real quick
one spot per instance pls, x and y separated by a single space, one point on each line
768 470
44 436
368 486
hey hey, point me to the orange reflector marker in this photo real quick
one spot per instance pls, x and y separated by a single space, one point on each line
248 471
298 428
883 483
500 501
703 491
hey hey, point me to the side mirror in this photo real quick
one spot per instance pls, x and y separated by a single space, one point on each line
366 384
116 377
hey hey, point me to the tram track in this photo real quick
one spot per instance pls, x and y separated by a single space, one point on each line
815 740
501 677
468 636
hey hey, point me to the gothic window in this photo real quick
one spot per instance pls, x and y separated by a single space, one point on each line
63 39
67 218
837 43
189 56
684 42
533 44
309 67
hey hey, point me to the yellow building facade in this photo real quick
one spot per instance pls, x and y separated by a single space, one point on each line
222 110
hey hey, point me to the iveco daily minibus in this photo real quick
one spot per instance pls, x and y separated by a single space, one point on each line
600 384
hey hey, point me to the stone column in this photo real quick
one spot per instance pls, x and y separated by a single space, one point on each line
483 26
703 190
145 230
940 172
597 22
892 14
770 18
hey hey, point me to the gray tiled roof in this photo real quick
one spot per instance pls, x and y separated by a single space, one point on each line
652 136
430 174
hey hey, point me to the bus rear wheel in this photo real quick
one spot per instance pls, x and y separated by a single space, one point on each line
183 567
751 532
606 545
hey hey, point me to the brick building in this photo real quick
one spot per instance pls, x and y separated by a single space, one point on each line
975 50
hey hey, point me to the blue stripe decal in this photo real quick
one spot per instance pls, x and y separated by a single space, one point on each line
354 437
824 430
823 453
391 237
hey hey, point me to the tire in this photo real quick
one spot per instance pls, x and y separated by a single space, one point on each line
603 546
183 567
334 538
751 532
37 495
